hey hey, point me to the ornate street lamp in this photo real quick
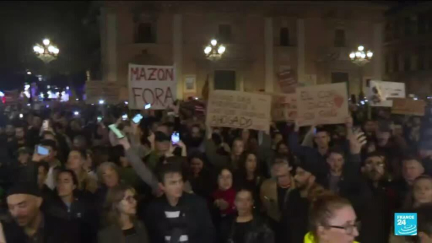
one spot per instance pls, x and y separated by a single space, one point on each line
361 57
214 50
47 52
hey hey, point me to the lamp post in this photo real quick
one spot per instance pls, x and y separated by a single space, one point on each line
361 57
47 52
214 50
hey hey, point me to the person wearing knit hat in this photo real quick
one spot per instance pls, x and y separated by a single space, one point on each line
30 224
295 216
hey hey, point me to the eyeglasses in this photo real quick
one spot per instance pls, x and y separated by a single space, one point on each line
349 229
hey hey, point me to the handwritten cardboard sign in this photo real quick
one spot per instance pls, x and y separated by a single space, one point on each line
322 104
409 107
155 85
97 90
284 107
381 93
238 110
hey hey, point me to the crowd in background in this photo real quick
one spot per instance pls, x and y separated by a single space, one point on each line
288 185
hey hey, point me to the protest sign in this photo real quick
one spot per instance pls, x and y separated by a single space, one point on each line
287 81
238 110
97 90
155 85
409 107
322 104
284 107
381 93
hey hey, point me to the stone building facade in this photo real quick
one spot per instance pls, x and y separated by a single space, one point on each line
313 39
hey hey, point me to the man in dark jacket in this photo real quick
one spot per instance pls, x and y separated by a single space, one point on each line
296 212
337 172
377 216
344 178
311 155
178 216
30 224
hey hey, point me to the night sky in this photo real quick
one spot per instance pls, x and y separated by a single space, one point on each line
71 26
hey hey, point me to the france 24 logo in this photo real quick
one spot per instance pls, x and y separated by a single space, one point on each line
405 224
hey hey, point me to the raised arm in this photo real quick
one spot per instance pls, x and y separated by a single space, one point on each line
294 145
140 168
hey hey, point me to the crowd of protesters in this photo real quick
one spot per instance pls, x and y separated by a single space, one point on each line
214 185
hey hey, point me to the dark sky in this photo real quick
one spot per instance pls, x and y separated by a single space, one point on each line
24 24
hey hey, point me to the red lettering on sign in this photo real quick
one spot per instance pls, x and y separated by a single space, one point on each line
152 74
144 96
134 73
136 94
168 95
169 73
142 74
158 94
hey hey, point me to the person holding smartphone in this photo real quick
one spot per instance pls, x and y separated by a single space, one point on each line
48 149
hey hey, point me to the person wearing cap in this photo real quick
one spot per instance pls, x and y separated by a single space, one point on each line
29 223
295 215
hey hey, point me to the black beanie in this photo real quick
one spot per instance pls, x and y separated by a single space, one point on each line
24 188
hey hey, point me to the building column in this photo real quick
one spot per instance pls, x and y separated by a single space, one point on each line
177 53
377 60
301 52
241 81
268 49
111 47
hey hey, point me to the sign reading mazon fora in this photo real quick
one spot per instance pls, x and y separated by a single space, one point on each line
155 85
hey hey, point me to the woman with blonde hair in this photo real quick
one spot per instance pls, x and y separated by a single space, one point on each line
332 220
121 223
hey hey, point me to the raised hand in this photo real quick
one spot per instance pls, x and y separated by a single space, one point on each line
37 157
357 141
